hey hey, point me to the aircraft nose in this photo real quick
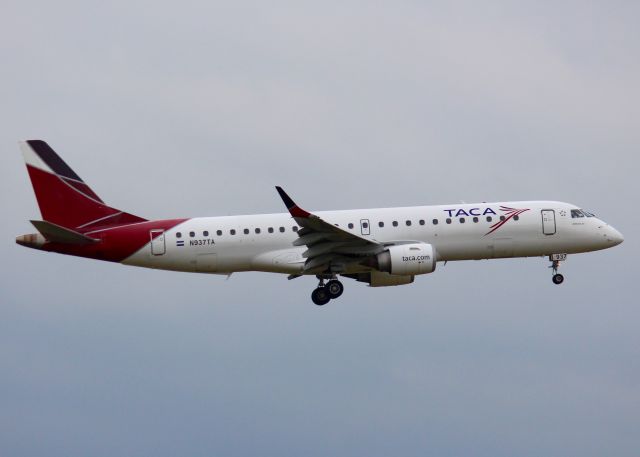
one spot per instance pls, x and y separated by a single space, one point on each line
614 236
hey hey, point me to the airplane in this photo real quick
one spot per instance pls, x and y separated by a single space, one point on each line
380 247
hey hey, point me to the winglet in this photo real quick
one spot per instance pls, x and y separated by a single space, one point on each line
294 209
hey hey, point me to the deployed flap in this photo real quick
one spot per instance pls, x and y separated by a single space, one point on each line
58 234
329 246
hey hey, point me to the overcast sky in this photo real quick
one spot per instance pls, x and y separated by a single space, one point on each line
200 108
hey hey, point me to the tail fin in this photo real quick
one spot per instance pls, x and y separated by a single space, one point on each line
63 197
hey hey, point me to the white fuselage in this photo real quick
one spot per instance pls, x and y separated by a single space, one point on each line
462 232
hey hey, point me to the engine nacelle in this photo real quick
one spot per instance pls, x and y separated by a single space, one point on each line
383 279
408 259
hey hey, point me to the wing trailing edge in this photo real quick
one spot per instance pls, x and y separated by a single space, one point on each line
329 247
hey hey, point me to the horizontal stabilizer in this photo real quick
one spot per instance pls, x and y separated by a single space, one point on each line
57 234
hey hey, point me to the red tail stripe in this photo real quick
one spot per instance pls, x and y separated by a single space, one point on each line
82 187
117 243
63 204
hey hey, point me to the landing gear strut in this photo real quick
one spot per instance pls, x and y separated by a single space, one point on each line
557 278
323 293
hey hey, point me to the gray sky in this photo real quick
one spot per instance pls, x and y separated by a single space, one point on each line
200 108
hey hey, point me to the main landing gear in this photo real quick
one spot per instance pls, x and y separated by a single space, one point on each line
557 278
325 292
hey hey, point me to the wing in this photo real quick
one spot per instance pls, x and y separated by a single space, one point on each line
329 248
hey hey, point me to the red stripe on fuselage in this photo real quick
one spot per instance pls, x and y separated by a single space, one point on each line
116 243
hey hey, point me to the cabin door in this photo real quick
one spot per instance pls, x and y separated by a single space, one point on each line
548 221
158 246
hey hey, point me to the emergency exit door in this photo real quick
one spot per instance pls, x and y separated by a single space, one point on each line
365 228
548 221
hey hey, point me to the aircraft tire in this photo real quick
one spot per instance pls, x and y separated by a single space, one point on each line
320 296
558 278
334 288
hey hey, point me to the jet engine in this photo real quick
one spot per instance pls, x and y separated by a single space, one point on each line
407 259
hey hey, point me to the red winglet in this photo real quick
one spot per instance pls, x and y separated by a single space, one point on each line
294 209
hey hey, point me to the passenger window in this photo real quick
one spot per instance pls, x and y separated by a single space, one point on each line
281 229
294 228
408 223
435 222
365 225
421 222
246 231
232 231
350 225
205 233
516 217
462 220
502 218
257 230
178 235
270 230
489 219
192 234
475 219
219 232
381 224
394 223
448 221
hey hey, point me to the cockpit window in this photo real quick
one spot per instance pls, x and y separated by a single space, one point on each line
575 213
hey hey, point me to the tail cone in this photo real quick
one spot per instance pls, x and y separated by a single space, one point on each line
32 240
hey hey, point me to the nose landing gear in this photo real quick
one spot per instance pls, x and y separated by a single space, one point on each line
324 293
557 278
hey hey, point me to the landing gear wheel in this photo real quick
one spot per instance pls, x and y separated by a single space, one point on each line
335 288
320 296
555 263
